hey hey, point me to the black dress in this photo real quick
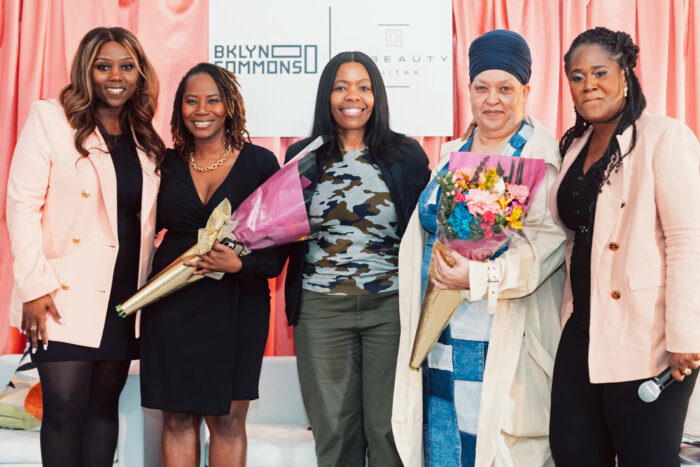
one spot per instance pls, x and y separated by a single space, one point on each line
118 336
202 346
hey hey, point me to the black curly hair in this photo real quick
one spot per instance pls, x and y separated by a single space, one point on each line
625 52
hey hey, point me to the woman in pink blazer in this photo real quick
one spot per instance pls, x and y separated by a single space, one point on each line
627 197
80 212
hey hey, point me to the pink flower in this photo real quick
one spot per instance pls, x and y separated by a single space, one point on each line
488 218
465 174
480 201
488 233
460 198
518 192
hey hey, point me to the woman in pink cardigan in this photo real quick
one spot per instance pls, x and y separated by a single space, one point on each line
628 199
81 215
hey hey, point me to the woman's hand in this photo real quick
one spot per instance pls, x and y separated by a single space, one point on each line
453 276
683 363
34 315
219 259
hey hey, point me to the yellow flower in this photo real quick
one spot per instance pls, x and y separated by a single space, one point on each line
487 184
488 179
502 203
514 218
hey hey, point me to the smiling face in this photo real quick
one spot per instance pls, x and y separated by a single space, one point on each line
597 84
114 76
498 102
203 109
352 99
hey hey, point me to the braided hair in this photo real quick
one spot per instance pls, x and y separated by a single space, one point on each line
625 52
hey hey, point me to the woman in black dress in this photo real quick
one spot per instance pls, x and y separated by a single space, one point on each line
81 215
202 347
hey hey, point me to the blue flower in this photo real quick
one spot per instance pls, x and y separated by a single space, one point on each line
460 220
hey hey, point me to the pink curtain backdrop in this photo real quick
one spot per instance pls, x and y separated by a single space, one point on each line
38 39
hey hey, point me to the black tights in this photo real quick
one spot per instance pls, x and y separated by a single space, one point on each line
80 423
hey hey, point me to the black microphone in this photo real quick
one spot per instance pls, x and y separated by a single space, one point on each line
649 390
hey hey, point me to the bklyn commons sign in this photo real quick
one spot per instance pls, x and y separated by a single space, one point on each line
278 48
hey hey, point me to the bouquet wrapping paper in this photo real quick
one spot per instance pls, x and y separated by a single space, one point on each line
484 201
275 214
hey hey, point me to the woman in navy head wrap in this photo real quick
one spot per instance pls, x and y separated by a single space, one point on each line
482 397
499 73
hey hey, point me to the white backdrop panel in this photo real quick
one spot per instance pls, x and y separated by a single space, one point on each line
278 48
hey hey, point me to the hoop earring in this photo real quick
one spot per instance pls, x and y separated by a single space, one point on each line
625 91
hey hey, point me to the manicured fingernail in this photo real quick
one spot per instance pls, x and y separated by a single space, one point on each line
34 350
26 347
46 347
21 331
60 321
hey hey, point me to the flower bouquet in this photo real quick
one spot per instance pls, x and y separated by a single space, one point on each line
482 205
484 201
275 214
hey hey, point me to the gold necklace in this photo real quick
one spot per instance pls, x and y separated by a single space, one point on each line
215 165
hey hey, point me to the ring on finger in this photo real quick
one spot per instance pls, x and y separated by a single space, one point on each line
687 372
33 328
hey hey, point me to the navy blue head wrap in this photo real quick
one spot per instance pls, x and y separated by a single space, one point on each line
500 50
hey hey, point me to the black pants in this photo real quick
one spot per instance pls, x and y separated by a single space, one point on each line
590 424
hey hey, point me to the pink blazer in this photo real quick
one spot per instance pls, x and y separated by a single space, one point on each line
645 276
62 219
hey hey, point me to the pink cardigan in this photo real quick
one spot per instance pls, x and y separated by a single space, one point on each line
62 219
645 258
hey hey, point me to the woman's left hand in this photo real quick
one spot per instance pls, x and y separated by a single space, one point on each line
219 259
681 363
455 277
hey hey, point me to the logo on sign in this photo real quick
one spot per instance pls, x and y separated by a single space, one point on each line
402 62
394 38
268 59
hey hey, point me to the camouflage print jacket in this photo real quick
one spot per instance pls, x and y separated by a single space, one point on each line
405 177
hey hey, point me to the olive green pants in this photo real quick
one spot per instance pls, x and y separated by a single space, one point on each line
346 350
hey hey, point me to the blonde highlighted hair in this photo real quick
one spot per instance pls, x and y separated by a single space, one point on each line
79 101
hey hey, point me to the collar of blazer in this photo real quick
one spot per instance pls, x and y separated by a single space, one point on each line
102 161
149 192
609 212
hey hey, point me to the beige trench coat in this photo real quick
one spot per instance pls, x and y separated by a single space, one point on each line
514 413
